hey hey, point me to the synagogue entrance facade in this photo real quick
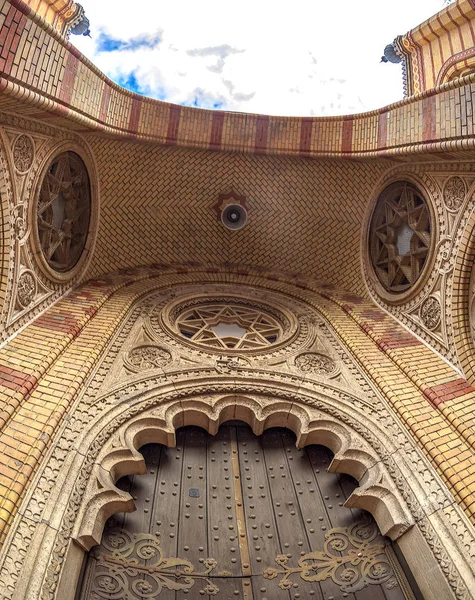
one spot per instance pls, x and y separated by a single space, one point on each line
237 515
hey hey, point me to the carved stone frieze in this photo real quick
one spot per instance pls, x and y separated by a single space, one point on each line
230 364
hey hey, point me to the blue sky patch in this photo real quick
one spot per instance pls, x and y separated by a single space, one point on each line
108 43
202 99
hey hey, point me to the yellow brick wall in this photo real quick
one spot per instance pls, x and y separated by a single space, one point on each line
440 46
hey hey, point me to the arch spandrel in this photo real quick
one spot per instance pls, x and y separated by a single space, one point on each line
265 391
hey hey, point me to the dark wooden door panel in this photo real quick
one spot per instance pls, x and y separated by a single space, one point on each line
235 517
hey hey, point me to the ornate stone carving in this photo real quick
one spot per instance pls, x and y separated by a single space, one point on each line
248 328
189 323
352 557
316 363
400 236
365 413
230 364
23 153
430 312
19 221
26 289
63 211
454 193
146 357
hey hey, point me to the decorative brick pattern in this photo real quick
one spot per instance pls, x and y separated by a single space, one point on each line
59 84
168 194
439 47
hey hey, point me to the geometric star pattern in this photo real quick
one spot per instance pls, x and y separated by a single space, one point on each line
200 325
64 207
400 236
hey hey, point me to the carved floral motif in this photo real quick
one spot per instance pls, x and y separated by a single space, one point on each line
26 289
148 356
430 312
19 221
350 557
316 363
454 193
23 153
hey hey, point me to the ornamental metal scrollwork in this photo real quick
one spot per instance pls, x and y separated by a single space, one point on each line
454 193
146 357
316 363
349 557
133 566
23 153
430 312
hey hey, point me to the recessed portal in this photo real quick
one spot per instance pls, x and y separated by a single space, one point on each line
240 516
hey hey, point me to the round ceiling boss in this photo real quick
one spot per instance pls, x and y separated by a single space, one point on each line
399 237
63 213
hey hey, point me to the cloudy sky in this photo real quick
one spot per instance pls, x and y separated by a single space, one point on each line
304 57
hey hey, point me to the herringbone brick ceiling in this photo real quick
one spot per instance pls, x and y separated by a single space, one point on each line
157 205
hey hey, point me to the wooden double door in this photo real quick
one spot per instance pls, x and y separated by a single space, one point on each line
239 516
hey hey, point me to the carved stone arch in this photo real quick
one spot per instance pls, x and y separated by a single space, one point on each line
120 456
462 292
84 493
7 202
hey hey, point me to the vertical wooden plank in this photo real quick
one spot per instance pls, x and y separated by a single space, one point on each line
223 533
165 508
310 504
193 529
264 544
289 519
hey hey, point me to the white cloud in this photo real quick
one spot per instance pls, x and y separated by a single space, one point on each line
308 58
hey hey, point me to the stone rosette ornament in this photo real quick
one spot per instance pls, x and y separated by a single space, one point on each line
146 357
26 289
316 363
23 153
454 193
431 312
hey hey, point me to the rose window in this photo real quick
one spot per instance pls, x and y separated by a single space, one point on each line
400 236
224 326
63 211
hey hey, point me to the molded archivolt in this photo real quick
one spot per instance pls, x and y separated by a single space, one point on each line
353 456
387 487
5 226
462 297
